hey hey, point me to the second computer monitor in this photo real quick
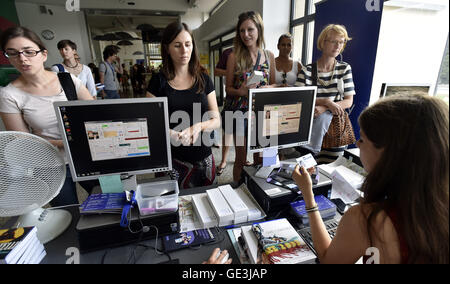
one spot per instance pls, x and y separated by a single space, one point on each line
280 117
111 137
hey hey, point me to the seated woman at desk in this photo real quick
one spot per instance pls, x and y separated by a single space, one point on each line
188 89
404 213
26 104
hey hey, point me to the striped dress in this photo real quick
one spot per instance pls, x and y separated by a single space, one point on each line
330 85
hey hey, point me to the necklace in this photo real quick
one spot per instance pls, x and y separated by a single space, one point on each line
322 82
72 67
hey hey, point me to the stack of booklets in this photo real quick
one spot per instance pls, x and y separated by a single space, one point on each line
275 242
327 208
104 203
21 246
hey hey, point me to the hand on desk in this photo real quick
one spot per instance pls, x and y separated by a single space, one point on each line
213 259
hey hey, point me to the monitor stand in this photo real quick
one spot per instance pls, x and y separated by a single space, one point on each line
271 161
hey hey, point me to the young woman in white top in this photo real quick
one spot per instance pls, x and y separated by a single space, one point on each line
286 71
68 50
26 104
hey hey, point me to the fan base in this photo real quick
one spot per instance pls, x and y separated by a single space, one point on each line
50 223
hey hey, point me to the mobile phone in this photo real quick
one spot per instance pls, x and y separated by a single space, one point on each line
340 205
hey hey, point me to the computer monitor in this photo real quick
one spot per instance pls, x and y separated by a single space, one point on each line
280 117
111 137
391 89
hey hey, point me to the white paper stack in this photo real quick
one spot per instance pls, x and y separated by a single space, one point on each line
236 204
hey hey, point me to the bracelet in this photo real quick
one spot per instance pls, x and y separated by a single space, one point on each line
312 209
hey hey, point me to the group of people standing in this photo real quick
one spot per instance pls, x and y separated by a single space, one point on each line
397 214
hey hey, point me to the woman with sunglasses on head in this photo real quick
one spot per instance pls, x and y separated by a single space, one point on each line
335 87
26 104
248 56
188 89
286 71
403 215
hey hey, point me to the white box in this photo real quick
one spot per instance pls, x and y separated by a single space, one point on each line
236 204
220 207
204 211
254 213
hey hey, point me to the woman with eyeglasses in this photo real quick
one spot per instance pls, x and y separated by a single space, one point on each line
335 88
248 55
26 104
286 71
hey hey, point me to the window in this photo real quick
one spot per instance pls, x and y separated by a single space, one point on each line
413 46
153 54
302 29
216 47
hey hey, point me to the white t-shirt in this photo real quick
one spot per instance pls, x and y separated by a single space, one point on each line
37 111
291 76
85 76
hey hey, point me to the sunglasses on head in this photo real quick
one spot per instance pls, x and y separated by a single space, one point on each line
247 14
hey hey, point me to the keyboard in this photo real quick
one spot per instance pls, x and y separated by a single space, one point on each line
305 233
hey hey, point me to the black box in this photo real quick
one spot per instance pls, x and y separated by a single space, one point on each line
273 199
104 231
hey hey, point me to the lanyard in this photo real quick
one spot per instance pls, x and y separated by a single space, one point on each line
113 70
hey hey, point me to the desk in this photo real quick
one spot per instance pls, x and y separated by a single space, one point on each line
56 249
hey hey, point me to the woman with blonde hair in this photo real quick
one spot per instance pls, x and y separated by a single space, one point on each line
404 148
248 56
335 87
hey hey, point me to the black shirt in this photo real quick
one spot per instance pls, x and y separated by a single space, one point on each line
184 101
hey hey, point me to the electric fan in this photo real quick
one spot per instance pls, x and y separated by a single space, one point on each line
32 172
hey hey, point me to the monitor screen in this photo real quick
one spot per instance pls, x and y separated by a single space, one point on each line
391 89
280 118
106 137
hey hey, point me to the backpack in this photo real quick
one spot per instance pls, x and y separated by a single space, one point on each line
67 84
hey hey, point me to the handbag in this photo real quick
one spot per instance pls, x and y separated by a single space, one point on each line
340 132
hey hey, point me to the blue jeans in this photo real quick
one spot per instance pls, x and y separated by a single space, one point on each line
112 94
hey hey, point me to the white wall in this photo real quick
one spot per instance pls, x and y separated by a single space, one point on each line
275 15
276 22
226 18
410 47
65 25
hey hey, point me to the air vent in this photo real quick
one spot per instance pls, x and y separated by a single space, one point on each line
43 9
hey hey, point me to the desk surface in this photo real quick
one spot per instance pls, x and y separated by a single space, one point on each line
68 242
61 249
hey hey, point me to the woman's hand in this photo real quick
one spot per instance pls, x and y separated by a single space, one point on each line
335 108
243 90
190 135
303 179
213 259
318 110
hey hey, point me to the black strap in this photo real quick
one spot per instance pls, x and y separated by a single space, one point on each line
68 86
314 74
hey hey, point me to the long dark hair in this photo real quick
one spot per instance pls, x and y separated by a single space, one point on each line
412 174
15 32
195 68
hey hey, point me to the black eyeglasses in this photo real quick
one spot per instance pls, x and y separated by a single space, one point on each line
26 53
247 14
284 75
